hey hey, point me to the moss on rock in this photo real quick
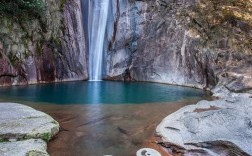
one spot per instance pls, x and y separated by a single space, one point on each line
46 136
31 26
22 9
36 153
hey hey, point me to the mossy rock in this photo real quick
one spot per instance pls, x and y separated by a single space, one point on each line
31 147
22 122
36 153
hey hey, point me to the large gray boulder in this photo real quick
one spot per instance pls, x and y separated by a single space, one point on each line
22 122
221 127
24 130
224 92
31 147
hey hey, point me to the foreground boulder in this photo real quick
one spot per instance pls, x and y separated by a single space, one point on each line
31 147
24 129
22 122
222 127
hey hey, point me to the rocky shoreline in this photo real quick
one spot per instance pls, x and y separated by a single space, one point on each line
220 127
25 131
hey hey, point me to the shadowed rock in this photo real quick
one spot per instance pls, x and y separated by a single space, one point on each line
56 54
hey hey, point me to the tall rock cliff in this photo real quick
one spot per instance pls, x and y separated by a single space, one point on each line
180 42
47 49
196 43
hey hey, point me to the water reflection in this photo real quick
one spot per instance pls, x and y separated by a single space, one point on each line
97 130
94 96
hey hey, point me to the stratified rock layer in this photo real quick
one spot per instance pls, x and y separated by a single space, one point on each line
222 127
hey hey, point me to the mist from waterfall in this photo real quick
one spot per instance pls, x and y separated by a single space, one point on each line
97 22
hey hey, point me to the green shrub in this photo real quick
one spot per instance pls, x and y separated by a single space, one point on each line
214 20
22 8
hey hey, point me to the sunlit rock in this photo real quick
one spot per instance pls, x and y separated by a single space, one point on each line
22 122
221 127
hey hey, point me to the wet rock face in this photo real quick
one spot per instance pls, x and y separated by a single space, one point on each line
55 50
207 128
150 40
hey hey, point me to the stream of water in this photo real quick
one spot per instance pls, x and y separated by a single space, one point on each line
97 19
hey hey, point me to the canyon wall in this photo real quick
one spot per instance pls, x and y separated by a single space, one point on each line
47 49
159 41
195 43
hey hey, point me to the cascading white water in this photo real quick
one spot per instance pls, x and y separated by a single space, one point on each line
97 19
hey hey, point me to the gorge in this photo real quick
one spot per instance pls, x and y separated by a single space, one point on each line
147 45
153 41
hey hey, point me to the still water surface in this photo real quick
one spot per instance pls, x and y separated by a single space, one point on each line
104 92
103 118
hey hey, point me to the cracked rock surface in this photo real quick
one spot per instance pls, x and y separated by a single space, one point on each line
222 127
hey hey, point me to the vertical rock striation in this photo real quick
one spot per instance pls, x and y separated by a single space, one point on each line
153 41
149 45
35 51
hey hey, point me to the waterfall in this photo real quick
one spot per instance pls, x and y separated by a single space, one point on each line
97 22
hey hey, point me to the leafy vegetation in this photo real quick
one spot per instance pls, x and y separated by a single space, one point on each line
22 8
46 136
36 153
213 20
27 26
